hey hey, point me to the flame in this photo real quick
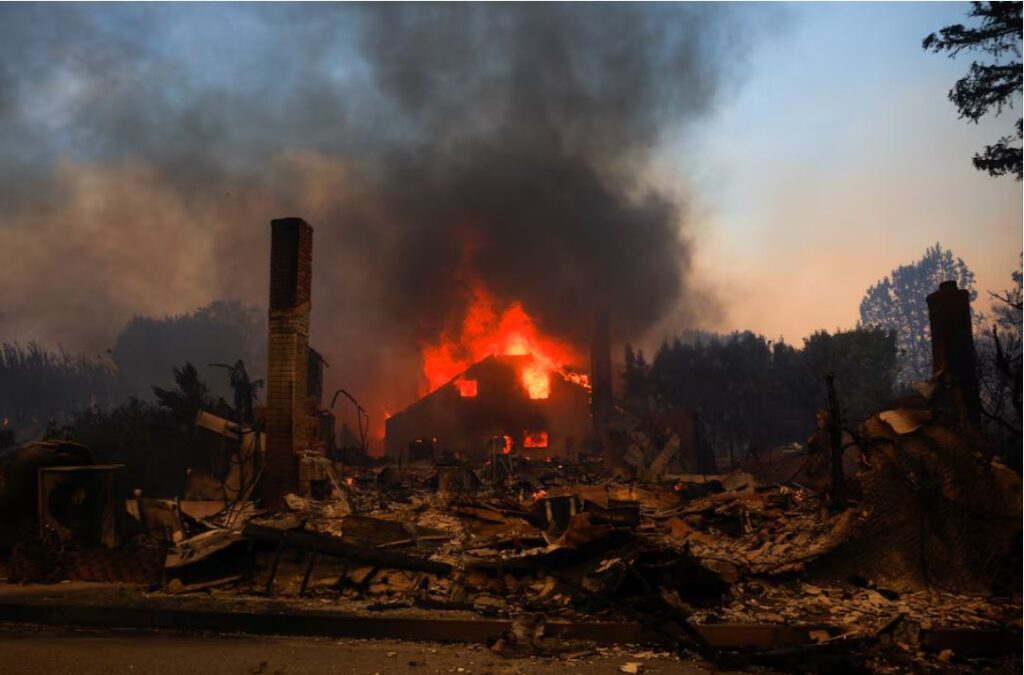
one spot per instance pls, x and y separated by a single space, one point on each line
508 444
488 329
535 439
536 380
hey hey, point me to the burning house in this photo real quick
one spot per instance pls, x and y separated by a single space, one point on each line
501 403
495 383
519 397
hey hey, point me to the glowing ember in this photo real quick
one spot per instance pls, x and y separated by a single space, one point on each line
535 439
539 494
487 329
508 445
467 388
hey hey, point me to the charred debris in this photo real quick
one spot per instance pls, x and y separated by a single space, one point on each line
879 543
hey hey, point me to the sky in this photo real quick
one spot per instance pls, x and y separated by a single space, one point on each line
839 159
144 148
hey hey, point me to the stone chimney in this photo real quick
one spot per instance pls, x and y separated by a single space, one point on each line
953 356
291 262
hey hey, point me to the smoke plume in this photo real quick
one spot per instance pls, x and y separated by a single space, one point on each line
144 149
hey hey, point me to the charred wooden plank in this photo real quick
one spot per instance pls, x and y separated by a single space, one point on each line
334 546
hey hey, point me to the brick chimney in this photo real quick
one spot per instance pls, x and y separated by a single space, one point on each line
291 262
949 313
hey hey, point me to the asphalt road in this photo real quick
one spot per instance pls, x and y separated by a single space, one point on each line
55 651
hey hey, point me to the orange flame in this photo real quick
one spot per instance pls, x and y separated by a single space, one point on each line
486 330
535 439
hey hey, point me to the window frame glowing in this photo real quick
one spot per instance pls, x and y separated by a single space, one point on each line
467 388
536 439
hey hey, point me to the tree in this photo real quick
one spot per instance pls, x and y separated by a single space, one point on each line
222 332
863 361
899 303
1000 371
753 394
39 385
190 395
992 85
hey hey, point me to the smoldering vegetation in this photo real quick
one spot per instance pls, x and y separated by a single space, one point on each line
146 148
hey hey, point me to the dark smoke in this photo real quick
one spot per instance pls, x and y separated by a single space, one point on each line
529 130
145 149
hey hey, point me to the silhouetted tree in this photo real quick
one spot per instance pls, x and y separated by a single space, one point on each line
244 389
899 303
864 363
753 394
221 332
190 395
37 384
1000 371
988 86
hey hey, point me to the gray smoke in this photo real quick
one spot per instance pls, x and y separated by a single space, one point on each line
143 150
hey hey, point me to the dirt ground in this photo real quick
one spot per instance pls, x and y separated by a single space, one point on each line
33 650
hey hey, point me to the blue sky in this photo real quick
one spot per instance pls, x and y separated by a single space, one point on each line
838 159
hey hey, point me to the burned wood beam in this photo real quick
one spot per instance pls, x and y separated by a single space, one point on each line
334 546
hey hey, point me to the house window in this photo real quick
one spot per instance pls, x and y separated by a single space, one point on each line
467 388
535 439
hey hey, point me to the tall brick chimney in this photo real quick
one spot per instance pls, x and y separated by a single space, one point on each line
291 263
949 313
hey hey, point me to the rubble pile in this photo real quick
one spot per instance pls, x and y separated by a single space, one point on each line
861 611
559 541
919 547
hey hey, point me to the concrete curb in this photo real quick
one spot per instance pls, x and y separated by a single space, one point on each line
309 623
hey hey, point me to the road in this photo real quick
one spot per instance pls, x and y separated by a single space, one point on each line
32 650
